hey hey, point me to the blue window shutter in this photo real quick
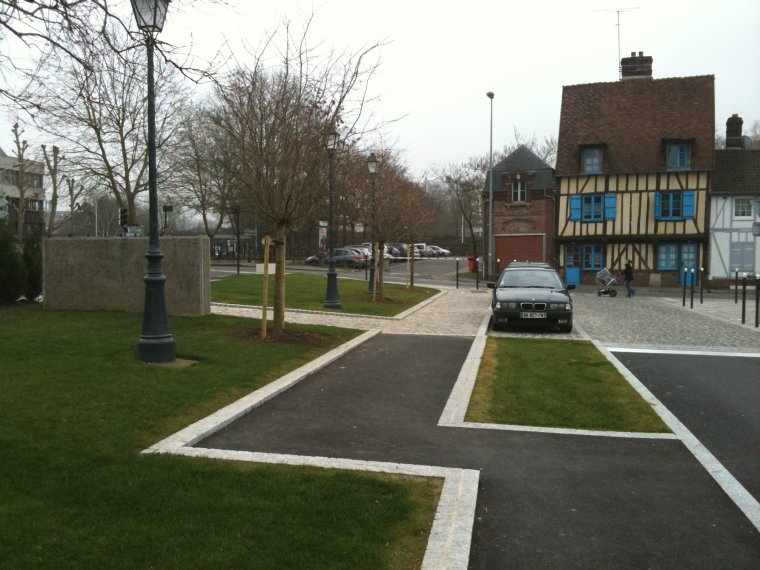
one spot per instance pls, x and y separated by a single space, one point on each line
610 210
575 208
658 205
688 205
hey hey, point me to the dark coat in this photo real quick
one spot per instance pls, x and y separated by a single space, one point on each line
628 272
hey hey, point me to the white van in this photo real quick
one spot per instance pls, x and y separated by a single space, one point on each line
421 250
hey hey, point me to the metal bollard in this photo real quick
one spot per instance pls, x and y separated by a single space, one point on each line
691 302
736 285
744 298
683 304
757 299
701 285
457 272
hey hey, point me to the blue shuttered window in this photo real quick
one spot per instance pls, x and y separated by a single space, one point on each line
593 207
674 205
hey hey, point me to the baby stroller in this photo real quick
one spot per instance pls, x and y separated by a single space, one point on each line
608 288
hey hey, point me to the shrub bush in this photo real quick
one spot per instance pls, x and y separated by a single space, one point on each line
12 269
32 256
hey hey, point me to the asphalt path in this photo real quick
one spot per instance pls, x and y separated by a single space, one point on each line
716 397
545 501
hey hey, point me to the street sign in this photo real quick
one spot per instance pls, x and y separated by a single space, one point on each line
134 231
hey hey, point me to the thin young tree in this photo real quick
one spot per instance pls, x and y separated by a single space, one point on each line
278 116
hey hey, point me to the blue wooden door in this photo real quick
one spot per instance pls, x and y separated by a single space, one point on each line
572 265
688 264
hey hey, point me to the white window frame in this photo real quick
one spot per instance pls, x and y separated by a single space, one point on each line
519 190
737 200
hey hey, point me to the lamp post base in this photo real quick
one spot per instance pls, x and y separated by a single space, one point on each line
332 298
156 342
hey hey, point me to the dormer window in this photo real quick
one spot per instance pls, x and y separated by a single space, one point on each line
591 160
678 155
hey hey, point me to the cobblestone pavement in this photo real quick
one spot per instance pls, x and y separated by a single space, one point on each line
644 321
662 322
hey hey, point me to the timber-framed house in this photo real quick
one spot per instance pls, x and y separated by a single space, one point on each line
634 160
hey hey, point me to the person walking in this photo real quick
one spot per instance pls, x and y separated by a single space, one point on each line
628 275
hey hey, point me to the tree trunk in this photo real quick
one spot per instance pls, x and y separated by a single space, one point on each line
279 282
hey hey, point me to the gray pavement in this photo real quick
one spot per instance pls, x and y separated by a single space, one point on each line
544 500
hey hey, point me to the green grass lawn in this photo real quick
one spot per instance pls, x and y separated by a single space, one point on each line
77 407
556 383
304 291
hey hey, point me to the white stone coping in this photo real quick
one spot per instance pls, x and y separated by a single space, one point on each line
451 532
456 407
400 316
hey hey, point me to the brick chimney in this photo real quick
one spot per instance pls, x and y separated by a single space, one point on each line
734 137
636 66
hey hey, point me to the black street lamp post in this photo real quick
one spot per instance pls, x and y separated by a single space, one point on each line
332 298
156 342
372 169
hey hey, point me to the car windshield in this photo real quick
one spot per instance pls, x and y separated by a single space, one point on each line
530 278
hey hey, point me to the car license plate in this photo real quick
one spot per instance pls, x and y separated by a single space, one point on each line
532 315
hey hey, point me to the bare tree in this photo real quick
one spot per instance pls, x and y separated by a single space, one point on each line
205 170
277 118
58 27
465 183
27 179
98 111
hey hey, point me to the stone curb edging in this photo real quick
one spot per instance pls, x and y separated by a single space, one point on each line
725 480
451 532
398 317
456 407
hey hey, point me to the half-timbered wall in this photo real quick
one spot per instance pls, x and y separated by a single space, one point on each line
731 239
635 204
630 229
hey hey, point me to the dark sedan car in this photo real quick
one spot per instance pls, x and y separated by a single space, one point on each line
531 295
343 256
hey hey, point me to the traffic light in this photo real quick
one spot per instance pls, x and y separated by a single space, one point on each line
123 219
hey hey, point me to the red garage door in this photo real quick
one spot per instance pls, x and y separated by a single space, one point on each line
520 247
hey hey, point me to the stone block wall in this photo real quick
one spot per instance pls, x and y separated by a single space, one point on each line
107 273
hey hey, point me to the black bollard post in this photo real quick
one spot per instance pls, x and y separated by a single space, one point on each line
691 302
683 304
701 284
736 286
457 273
477 274
757 300
744 299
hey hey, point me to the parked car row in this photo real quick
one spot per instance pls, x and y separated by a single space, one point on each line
360 256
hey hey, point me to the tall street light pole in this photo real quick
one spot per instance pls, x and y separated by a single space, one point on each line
156 342
490 193
332 298
372 169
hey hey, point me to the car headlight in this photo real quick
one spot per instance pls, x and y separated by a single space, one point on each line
508 305
557 306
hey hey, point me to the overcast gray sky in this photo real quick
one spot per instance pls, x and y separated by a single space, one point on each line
443 56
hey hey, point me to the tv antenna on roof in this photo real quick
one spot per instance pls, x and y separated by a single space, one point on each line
618 10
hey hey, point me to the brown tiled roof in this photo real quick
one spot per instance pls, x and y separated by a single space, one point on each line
632 117
736 172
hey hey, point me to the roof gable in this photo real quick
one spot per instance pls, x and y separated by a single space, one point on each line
521 159
633 118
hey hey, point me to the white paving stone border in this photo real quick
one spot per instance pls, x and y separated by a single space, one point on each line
398 317
456 407
448 545
730 485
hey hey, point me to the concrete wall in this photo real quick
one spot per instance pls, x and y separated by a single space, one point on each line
107 273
